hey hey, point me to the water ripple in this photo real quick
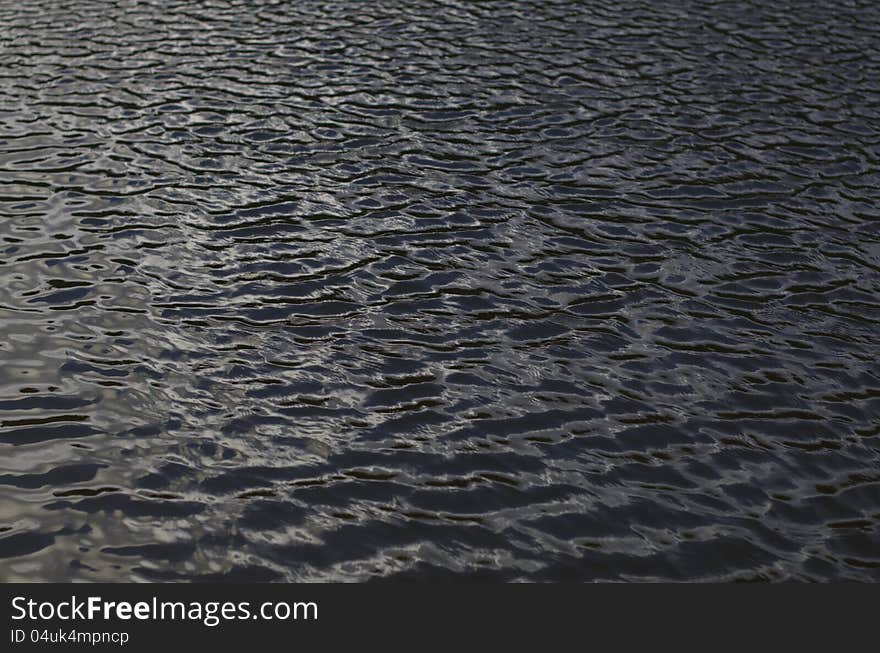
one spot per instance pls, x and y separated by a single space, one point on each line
513 290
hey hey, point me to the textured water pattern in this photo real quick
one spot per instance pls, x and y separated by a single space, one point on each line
503 290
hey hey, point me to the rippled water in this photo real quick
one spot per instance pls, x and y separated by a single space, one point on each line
509 290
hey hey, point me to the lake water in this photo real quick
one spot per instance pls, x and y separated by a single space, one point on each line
501 290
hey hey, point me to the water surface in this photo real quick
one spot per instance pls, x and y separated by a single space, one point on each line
498 290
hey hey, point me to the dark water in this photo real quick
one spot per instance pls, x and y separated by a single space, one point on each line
503 290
